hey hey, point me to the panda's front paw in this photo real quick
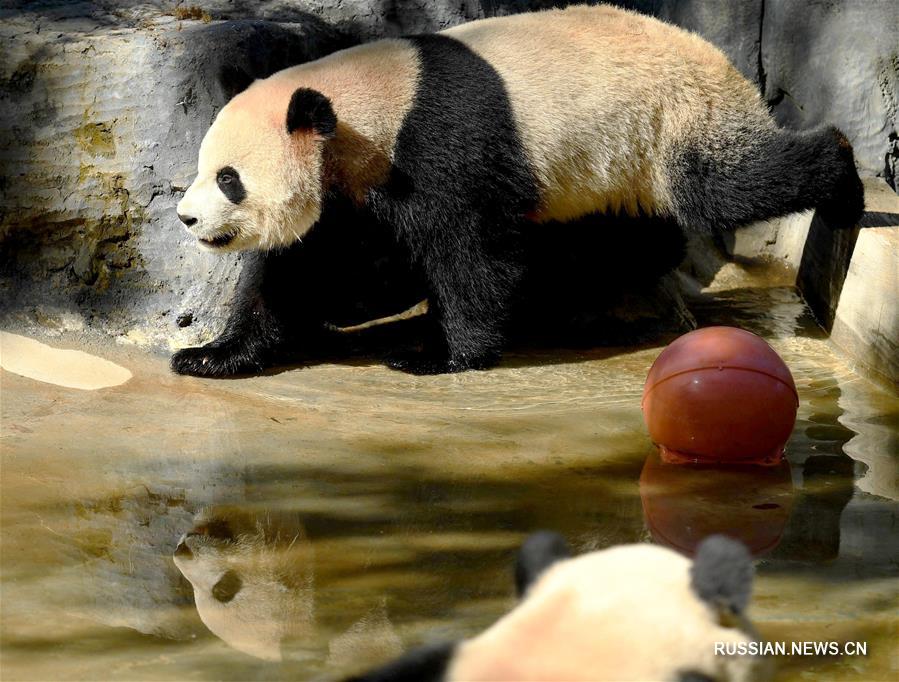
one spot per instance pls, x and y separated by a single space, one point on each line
216 360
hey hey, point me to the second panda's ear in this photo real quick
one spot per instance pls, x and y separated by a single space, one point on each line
721 574
539 551
310 110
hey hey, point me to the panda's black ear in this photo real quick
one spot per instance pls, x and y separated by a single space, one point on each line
311 110
234 80
538 552
722 573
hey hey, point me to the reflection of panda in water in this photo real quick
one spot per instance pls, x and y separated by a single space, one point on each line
634 612
252 577
253 581
462 140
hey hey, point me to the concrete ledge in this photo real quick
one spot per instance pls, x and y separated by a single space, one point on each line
866 321
849 278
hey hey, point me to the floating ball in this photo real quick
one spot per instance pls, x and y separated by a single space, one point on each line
720 394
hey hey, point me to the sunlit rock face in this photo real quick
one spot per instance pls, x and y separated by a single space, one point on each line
102 111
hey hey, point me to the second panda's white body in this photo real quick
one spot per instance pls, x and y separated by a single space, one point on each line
632 613
626 613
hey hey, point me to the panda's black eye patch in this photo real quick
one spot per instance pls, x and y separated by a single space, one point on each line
227 587
229 183
220 530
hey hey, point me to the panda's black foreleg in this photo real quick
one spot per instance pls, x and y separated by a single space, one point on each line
471 276
262 329
249 344
251 335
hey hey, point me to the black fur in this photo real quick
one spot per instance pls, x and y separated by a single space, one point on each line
721 574
227 587
749 177
538 552
424 664
253 334
229 182
311 110
352 270
457 198
692 676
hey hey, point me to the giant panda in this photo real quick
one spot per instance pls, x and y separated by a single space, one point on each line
253 579
461 141
631 612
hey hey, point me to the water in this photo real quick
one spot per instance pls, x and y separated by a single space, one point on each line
384 510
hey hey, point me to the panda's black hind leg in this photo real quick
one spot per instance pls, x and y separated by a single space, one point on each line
750 175
457 345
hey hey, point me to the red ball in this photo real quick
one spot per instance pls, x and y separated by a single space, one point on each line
720 394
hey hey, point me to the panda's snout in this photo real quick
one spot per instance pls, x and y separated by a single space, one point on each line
187 220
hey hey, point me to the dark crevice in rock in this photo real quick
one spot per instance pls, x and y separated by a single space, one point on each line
891 161
761 77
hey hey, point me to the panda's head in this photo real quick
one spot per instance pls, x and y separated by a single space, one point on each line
634 612
251 575
259 175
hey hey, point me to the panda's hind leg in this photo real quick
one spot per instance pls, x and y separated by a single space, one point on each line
750 175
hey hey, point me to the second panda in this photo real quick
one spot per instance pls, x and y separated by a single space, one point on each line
460 141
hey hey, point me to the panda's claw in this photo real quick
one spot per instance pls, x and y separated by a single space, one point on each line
214 360
422 363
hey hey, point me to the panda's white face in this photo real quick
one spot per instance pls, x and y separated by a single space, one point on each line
252 578
257 185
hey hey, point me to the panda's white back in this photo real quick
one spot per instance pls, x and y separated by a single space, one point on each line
603 97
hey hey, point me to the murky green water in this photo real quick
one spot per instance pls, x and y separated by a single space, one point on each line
379 511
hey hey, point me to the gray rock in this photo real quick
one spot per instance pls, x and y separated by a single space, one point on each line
836 63
99 131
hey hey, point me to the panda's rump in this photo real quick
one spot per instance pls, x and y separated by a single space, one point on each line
603 98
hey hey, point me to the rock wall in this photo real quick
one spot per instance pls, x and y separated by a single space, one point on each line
103 105
100 121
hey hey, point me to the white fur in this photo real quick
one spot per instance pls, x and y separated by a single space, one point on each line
371 87
276 599
626 613
602 98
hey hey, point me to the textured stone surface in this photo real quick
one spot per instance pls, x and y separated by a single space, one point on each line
834 62
866 322
782 240
849 278
99 131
